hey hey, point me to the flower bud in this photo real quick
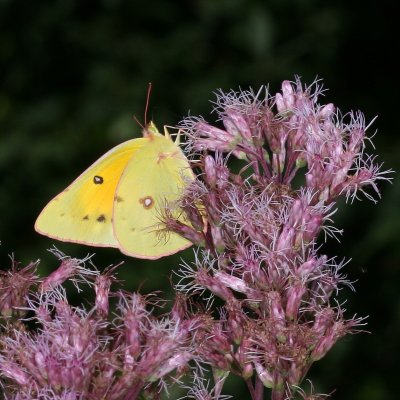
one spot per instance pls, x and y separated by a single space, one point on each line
14 287
277 314
218 240
210 171
326 111
102 288
323 320
236 323
14 372
265 377
310 266
330 337
248 371
285 101
185 231
286 239
236 124
67 269
214 284
294 296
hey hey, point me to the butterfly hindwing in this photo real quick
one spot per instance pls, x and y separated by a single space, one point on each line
154 177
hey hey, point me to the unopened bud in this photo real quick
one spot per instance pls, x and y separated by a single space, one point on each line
326 111
247 371
102 288
285 101
276 310
218 240
323 320
15 373
294 296
328 340
185 231
311 265
265 376
210 171
236 124
66 270
214 284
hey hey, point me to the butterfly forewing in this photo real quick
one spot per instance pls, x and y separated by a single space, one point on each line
82 213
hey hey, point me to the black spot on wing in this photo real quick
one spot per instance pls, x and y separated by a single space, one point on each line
86 217
101 218
118 199
98 180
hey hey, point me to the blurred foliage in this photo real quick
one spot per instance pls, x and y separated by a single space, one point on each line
73 73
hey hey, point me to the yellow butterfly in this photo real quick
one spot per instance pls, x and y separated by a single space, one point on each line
119 200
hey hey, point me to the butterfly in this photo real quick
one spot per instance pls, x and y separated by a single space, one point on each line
119 200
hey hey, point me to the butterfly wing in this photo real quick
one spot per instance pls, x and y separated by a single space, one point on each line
82 213
154 177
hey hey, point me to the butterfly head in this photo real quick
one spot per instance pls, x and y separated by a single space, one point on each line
150 130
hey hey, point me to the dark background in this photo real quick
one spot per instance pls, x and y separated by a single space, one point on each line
74 72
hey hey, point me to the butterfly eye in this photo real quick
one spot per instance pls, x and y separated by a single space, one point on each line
98 180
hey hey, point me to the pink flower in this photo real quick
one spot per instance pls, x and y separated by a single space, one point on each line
258 301
261 255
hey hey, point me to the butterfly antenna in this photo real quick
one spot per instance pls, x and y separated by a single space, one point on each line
147 103
139 123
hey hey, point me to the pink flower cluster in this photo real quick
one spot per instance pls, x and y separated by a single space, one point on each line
258 301
270 174
78 353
